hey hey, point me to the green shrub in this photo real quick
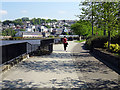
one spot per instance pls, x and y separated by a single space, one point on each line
113 47
106 45
95 42
89 37
116 39
16 38
51 36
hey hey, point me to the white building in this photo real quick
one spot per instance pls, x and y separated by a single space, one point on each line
28 34
30 28
0 26
43 29
50 29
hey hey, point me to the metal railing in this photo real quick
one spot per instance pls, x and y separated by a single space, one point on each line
46 46
12 51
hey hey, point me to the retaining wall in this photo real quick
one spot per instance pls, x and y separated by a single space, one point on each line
108 57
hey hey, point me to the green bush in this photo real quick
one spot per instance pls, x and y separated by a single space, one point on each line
16 38
106 45
89 37
113 47
51 36
95 42
116 39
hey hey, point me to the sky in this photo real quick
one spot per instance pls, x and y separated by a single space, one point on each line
46 10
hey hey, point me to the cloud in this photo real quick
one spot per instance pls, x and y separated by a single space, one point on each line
23 11
3 12
61 12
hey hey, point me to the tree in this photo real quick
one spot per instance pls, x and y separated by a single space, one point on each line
34 21
48 21
65 33
65 25
54 20
108 17
47 26
104 15
81 27
88 12
9 32
25 19
22 30
43 20
7 22
38 21
18 22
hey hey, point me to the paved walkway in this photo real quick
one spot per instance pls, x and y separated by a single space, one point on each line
75 68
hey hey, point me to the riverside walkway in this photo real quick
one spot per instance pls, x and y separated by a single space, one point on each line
76 68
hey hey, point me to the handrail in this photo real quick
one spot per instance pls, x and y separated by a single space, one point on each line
12 51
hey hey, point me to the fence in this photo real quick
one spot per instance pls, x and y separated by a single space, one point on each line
46 46
13 51
31 48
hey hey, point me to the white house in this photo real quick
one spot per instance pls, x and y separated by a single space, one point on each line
50 29
28 34
65 29
48 23
43 29
0 26
30 28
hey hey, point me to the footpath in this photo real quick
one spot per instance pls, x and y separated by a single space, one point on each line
76 68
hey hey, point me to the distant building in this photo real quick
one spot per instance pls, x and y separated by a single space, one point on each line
65 29
43 29
59 32
50 29
45 34
28 34
0 26
31 28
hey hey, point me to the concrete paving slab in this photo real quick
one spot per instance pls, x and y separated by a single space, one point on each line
76 68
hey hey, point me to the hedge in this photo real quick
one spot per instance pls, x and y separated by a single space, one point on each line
98 41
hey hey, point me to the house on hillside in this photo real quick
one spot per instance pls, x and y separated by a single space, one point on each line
28 34
59 31
50 29
31 28
5 27
45 34
26 23
43 29
0 26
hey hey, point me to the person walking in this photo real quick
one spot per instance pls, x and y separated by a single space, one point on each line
65 43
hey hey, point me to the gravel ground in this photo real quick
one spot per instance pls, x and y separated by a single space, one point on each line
76 68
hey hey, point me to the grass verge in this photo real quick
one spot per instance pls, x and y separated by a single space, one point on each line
80 41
